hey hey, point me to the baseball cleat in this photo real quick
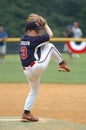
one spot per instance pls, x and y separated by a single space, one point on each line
28 117
63 67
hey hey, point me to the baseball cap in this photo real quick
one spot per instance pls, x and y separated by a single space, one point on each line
33 26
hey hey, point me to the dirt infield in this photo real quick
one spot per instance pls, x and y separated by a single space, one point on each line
63 102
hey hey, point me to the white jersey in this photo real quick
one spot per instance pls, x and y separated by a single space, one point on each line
77 32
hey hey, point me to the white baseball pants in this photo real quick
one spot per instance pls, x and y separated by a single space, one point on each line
34 73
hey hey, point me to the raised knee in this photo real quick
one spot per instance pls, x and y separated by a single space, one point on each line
50 45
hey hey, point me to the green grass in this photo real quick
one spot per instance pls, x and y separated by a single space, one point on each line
11 71
77 74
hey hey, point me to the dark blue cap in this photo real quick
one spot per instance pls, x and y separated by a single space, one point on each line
33 26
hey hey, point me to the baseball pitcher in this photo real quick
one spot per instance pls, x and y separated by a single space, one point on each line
35 54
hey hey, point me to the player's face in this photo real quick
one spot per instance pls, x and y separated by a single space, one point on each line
37 32
1 29
76 24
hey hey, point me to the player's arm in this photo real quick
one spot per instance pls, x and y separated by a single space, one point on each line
80 32
3 39
48 30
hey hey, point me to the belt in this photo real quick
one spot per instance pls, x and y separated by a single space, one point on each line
31 65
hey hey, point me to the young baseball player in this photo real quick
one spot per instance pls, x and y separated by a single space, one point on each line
3 37
35 54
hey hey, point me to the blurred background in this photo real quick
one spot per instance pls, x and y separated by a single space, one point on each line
59 14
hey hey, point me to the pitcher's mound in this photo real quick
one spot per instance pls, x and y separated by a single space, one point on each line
14 123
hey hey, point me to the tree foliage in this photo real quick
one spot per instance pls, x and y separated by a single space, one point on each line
58 13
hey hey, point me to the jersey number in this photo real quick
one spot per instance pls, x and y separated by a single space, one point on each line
23 50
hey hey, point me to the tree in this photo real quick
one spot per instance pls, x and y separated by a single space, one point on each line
59 13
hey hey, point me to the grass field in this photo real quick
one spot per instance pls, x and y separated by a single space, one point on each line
11 71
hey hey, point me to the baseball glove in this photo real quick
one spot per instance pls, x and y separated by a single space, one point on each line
37 18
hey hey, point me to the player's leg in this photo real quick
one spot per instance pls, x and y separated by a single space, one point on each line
34 87
49 51
2 52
